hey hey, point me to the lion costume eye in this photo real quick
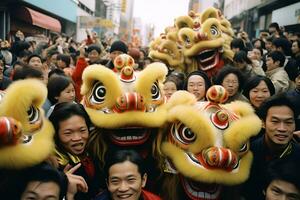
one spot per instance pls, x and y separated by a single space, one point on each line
155 92
244 149
33 115
98 93
184 134
214 30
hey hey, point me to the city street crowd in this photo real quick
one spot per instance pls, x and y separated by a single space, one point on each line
265 72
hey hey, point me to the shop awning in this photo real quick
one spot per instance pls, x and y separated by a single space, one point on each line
38 19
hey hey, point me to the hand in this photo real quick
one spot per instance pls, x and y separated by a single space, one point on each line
76 183
82 49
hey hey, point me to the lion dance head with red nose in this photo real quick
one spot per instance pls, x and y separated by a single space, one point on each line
198 41
205 146
26 136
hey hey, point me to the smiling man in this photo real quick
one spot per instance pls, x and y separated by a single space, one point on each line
278 115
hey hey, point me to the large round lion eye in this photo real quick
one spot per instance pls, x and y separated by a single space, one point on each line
214 30
98 93
184 134
33 114
155 91
243 148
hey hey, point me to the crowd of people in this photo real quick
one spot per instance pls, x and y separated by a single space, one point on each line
265 72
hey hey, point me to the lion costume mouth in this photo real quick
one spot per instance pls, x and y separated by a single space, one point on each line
130 136
200 191
208 59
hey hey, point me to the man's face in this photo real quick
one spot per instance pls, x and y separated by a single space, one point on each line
279 125
271 64
279 189
41 190
125 182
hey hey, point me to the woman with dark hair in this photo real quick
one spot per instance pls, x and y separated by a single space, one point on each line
257 89
125 174
60 89
232 79
242 61
72 127
197 83
171 85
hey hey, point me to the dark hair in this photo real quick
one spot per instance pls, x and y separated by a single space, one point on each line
42 173
173 79
27 72
260 50
56 71
65 58
284 44
64 111
254 81
229 70
34 55
276 100
238 43
94 47
275 25
23 53
198 73
261 42
277 56
121 156
285 170
241 57
56 85
270 39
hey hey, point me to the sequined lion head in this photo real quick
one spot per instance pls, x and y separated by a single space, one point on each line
26 136
206 144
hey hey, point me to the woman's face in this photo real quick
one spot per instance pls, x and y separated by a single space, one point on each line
67 95
259 94
125 181
73 134
196 86
169 88
231 84
295 48
256 54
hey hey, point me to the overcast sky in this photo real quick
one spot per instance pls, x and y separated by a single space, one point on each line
160 12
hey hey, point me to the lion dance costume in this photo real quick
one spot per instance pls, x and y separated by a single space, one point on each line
205 146
26 136
198 41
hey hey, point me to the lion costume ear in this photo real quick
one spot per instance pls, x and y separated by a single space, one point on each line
26 136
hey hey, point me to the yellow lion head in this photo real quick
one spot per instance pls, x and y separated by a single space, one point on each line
203 39
206 144
26 135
